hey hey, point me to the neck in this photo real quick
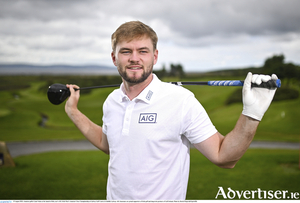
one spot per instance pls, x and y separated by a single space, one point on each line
133 90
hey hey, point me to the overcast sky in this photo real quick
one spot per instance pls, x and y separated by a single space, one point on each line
200 34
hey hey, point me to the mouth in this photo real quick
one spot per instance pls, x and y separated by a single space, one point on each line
134 67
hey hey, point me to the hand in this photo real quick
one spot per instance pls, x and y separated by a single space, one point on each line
256 101
72 102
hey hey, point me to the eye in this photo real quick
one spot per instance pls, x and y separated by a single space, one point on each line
125 52
143 51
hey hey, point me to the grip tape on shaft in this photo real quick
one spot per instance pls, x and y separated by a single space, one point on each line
225 83
271 84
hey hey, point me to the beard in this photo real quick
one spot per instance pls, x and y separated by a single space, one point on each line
135 80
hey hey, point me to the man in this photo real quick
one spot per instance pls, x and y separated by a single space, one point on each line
149 125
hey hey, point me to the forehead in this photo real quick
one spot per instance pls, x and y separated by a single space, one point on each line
136 43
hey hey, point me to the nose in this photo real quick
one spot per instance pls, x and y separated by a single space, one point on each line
134 57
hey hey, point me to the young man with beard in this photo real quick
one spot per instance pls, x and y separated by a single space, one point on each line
149 125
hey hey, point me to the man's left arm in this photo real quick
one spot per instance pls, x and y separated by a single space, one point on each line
226 151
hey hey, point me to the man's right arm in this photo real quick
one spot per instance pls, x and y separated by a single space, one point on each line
90 130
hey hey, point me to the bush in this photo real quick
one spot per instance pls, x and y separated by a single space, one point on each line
283 93
286 93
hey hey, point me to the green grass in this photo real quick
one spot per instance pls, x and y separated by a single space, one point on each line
20 117
56 175
21 110
258 168
83 175
280 122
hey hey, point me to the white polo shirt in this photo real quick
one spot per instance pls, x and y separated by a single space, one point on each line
149 140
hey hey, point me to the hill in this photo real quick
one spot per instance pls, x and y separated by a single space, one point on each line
60 69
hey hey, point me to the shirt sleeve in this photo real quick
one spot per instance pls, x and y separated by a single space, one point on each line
196 124
104 126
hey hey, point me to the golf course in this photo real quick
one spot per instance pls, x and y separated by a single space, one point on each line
27 115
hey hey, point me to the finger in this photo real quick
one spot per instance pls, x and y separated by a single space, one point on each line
256 79
247 82
274 77
72 88
265 78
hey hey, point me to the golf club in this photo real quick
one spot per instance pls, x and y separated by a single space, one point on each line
58 93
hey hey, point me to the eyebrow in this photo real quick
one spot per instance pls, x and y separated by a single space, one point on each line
144 48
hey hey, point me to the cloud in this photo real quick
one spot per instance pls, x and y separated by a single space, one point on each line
45 10
190 18
52 31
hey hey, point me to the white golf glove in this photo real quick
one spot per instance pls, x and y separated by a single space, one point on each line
256 101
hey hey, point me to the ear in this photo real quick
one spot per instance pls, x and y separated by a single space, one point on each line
155 56
113 57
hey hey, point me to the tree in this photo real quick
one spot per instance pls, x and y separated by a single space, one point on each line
177 70
161 73
277 65
274 64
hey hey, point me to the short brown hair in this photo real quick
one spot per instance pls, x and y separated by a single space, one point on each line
133 29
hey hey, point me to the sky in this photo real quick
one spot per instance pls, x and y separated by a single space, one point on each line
201 35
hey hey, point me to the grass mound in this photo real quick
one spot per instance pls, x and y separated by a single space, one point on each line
83 175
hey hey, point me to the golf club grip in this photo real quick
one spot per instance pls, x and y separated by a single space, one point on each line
271 84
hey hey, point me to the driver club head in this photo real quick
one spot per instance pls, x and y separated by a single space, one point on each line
58 93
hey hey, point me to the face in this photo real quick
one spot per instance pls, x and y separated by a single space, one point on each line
135 59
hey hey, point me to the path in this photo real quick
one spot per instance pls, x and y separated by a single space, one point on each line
25 148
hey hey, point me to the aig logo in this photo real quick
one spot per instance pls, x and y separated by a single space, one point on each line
147 118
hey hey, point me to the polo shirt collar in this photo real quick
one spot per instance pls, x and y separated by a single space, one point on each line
147 95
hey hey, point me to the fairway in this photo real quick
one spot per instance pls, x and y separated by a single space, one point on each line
22 110
83 174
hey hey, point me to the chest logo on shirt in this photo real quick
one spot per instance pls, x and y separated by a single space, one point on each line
147 118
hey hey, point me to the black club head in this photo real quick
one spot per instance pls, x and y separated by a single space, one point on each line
58 93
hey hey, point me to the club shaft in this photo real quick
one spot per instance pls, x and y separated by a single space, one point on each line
118 85
102 86
270 84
